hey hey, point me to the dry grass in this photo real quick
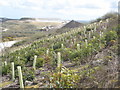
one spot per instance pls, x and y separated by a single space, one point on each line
43 24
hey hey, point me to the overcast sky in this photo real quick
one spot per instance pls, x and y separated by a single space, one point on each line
64 9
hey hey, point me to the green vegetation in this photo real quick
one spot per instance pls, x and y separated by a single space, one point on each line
93 65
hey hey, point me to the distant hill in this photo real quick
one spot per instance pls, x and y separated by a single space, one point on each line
26 18
69 26
3 19
27 27
72 24
6 19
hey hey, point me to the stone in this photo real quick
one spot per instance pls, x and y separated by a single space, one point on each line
28 83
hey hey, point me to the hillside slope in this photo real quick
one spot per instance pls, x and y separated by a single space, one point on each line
84 57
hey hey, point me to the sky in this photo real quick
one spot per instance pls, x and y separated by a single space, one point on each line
63 9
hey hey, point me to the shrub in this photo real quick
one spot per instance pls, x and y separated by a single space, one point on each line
5 69
28 74
88 29
57 46
111 35
79 33
64 79
39 62
66 53
75 54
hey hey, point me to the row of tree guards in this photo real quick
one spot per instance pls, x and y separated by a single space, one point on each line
34 64
47 53
74 31
19 74
34 67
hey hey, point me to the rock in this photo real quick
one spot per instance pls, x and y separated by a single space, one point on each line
40 84
16 81
68 64
37 72
41 79
28 83
97 62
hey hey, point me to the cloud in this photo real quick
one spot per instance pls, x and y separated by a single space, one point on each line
64 8
4 3
58 4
